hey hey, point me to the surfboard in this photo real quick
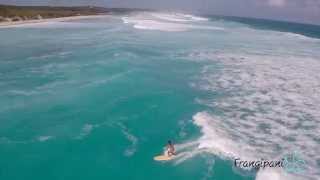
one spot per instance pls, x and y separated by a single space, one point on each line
163 158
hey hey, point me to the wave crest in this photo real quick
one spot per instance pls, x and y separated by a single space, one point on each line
170 22
270 108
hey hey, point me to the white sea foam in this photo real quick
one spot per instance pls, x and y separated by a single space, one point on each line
185 155
210 164
216 139
300 37
162 26
166 22
22 93
271 108
178 17
86 130
149 24
44 138
134 140
131 150
275 174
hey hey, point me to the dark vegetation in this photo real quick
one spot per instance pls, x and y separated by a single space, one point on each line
20 13
15 13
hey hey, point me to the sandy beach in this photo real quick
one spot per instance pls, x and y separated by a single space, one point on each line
27 22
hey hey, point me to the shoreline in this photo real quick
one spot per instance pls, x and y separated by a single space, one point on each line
36 21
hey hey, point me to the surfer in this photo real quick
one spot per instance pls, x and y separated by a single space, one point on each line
170 149
168 154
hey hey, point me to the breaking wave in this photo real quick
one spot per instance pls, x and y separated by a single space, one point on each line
170 22
270 107
178 17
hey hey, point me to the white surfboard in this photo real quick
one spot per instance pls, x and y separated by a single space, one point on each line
163 158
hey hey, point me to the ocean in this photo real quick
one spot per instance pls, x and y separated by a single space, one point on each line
98 98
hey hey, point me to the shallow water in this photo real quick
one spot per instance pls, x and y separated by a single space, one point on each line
99 98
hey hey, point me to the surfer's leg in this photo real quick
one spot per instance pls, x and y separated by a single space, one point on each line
166 153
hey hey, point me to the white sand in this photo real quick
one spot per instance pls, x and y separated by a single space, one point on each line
15 23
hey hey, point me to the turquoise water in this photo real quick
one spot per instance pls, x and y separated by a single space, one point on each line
99 98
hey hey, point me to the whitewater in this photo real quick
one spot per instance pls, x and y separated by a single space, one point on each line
226 89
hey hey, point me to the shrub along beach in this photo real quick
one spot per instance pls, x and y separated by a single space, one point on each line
15 15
